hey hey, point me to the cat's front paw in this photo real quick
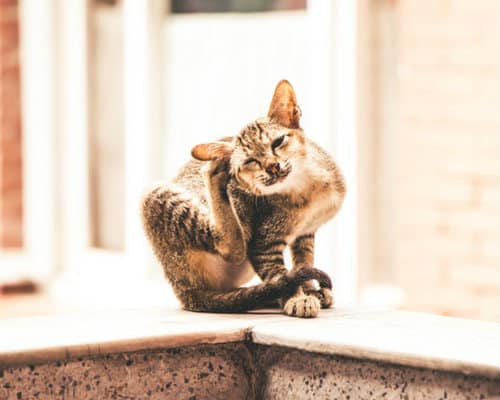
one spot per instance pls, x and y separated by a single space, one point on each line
215 168
302 306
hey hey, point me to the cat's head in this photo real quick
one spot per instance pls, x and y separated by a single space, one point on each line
267 153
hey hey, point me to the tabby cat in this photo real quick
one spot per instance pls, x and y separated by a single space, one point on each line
234 208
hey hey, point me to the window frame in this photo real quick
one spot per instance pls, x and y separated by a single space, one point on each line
334 28
54 49
81 260
36 259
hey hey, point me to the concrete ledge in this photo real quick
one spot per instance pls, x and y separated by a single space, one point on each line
296 374
34 340
398 337
235 371
194 372
161 353
405 338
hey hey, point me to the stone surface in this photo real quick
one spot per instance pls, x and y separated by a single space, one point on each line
235 371
61 337
294 374
412 339
203 372
135 352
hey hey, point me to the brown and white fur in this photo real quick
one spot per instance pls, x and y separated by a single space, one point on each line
232 211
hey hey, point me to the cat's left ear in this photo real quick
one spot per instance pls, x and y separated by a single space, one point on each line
284 109
212 151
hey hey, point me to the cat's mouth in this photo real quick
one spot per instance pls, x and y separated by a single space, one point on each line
278 177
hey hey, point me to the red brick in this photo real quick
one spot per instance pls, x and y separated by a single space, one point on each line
6 5
10 36
10 128
445 149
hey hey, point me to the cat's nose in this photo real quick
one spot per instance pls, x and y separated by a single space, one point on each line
273 168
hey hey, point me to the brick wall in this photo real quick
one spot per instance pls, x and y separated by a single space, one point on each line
445 149
10 128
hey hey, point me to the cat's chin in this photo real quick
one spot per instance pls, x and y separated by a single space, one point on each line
292 182
276 180
281 185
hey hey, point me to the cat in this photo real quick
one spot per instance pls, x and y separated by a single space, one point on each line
234 208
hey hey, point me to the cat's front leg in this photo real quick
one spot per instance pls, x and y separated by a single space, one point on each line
266 255
302 250
228 236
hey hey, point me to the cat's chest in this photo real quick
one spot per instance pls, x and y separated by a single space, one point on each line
286 218
318 210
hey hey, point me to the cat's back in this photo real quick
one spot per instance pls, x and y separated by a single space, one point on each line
190 177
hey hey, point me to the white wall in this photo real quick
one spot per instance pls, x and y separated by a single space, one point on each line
221 71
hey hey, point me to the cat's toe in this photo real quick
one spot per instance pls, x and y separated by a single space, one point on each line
302 306
327 300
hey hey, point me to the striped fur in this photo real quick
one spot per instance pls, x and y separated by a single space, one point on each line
233 214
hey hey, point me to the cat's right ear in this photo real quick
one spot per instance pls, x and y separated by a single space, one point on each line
284 109
212 151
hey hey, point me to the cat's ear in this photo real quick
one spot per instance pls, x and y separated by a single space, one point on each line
212 151
284 109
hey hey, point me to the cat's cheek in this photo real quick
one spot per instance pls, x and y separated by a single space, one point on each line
296 151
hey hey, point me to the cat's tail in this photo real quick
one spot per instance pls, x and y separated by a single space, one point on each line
253 297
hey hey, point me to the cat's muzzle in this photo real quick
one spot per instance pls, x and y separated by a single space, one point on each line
278 175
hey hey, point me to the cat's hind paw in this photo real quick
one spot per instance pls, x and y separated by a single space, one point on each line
302 306
324 295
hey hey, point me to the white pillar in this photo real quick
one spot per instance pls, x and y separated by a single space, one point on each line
38 50
346 149
333 27
73 117
142 27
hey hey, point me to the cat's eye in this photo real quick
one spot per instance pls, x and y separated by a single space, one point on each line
250 161
278 142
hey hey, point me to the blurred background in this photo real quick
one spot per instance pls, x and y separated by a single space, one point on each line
100 98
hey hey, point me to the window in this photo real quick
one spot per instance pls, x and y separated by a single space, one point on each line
106 131
218 6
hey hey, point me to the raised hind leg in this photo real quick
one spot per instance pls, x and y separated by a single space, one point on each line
184 228
175 218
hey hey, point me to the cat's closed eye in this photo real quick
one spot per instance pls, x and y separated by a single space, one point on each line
251 162
278 142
